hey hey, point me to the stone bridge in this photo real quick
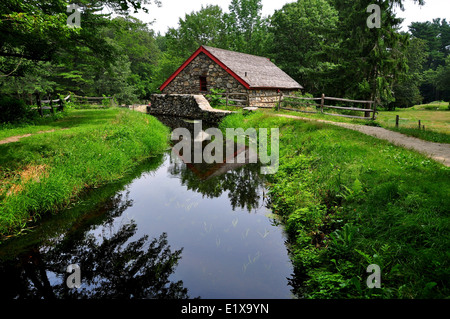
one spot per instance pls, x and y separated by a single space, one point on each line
186 106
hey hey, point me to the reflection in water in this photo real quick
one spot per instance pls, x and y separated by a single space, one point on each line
243 184
213 215
112 267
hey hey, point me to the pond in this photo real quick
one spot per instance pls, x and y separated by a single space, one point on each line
169 230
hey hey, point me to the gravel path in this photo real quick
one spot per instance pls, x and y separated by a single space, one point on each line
16 138
437 151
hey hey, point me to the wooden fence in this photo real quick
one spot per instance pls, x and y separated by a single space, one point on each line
316 105
397 122
96 99
369 106
60 102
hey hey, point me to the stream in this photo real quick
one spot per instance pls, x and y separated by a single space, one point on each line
168 230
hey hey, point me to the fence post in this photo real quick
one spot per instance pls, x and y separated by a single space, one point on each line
367 114
396 120
226 99
280 100
51 104
61 103
248 98
322 102
39 104
419 124
374 110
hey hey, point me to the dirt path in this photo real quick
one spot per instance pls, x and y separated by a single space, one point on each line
16 138
437 151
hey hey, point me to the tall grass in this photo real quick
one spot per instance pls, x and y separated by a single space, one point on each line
349 200
45 172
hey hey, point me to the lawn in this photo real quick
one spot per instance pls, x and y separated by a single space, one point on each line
348 200
43 173
435 117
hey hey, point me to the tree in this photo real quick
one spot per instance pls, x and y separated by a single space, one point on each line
137 43
204 27
406 87
34 34
436 35
370 59
246 29
302 43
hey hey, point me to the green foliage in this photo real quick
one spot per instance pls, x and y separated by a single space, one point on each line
406 87
40 53
11 110
347 201
436 36
216 98
301 41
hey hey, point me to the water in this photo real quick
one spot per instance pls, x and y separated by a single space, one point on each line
170 231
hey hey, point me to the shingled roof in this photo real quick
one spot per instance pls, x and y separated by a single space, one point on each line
254 72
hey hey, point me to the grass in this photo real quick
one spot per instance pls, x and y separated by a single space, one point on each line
348 200
435 119
44 173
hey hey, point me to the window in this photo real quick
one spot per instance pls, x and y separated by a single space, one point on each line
203 84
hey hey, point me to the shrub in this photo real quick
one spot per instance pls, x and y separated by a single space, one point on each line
12 110
216 98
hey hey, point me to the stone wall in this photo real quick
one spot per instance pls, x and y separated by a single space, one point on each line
185 106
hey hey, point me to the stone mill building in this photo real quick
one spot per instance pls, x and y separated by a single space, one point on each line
233 72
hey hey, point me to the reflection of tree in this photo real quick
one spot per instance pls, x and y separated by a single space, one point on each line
115 267
242 184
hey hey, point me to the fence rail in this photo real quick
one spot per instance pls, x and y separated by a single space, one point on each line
41 108
281 99
60 102
93 98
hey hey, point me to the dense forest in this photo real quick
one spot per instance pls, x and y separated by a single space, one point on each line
325 45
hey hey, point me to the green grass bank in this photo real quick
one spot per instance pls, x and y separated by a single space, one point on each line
347 201
83 149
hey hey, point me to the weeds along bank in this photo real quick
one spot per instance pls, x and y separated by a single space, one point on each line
348 200
88 148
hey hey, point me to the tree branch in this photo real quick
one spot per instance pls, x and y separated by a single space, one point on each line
23 56
17 66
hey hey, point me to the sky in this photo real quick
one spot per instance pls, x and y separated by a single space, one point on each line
172 10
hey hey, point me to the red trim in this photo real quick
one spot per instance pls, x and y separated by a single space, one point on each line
192 57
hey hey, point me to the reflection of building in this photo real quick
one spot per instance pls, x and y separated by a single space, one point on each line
241 155
212 68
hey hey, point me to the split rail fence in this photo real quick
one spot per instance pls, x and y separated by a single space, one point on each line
303 104
60 102
50 102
